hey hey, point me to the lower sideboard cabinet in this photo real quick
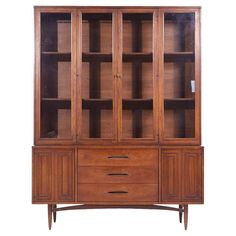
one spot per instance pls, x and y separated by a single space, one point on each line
68 175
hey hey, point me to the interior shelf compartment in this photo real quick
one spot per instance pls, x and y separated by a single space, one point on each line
179 103
96 56
59 56
179 57
56 103
137 56
137 103
97 103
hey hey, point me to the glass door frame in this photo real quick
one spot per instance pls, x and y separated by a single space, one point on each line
197 71
79 109
119 42
37 82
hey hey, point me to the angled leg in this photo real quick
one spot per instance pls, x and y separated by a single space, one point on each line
180 213
54 213
185 217
50 216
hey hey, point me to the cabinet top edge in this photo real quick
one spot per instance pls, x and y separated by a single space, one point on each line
117 7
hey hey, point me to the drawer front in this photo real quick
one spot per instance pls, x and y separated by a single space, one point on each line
117 174
117 192
116 157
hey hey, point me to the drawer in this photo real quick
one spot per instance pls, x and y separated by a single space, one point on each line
117 174
118 157
117 192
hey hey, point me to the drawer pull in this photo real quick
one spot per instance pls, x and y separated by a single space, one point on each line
117 174
117 156
118 192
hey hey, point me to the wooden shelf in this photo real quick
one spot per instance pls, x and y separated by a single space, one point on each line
137 16
97 16
179 57
96 56
137 103
97 103
60 56
137 56
56 103
179 103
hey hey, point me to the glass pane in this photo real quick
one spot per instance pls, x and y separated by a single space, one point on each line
179 75
137 78
55 75
97 77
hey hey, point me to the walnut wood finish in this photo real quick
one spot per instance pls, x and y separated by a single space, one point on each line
117 193
116 125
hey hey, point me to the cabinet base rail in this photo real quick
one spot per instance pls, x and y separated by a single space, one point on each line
53 209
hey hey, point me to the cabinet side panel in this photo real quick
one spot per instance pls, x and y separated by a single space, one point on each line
42 176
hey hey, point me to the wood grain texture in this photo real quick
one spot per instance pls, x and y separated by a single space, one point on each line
116 157
117 174
117 192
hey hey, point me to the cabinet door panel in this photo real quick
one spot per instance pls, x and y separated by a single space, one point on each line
192 175
182 175
96 69
55 77
64 175
53 175
42 176
170 175
180 78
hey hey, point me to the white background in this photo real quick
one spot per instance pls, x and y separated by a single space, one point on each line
217 215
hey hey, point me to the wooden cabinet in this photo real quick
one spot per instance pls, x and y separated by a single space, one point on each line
117 107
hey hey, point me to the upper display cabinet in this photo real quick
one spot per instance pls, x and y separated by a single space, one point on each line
113 75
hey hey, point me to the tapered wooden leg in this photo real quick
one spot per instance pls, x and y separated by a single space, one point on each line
54 214
50 206
185 217
180 213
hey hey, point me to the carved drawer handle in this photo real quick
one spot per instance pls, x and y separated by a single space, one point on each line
117 174
118 192
118 156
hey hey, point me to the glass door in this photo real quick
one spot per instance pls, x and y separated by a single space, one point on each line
180 82
56 63
137 77
96 76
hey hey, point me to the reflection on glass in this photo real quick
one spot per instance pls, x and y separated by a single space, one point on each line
179 75
55 75
97 87
137 77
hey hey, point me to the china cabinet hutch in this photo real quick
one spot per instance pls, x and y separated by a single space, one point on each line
117 108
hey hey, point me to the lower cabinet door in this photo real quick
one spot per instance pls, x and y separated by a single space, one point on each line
42 175
170 175
181 175
53 175
64 173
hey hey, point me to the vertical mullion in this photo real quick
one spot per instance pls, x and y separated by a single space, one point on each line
73 74
79 75
197 51
118 69
160 54
156 77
